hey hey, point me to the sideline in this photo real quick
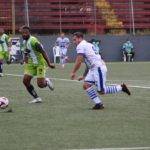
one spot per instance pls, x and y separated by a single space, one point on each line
129 148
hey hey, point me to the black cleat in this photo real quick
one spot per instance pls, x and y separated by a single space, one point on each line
125 89
98 106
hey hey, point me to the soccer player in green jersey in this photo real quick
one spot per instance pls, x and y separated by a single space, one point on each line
35 60
4 53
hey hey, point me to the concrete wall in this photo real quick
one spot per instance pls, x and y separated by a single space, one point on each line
111 46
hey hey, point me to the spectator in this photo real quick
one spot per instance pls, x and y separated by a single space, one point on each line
128 52
97 45
63 42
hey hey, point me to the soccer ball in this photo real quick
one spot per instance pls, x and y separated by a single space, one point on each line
3 102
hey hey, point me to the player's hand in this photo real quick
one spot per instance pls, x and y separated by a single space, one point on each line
72 76
52 66
80 78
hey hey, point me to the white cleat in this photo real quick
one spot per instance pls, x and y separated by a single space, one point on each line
1 74
36 100
49 84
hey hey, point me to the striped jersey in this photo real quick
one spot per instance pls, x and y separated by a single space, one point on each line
35 57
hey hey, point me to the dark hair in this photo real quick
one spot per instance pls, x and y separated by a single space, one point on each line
78 34
25 27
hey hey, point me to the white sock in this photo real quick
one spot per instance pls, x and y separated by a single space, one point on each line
113 89
91 92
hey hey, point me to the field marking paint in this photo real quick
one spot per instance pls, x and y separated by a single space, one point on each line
129 148
68 80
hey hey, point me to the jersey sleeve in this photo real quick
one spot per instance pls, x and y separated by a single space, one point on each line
34 43
80 50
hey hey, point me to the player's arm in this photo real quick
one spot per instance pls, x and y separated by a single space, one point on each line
77 65
67 43
41 50
84 74
86 71
7 40
57 42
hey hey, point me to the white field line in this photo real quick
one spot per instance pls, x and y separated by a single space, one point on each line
68 80
129 148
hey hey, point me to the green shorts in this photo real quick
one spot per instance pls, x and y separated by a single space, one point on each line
4 55
35 70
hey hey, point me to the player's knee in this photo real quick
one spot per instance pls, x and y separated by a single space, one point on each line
26 83
86 85
41 84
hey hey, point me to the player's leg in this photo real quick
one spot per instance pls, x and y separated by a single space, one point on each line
132 55
1 63
30 88
91 92
126 56
7 57
29 73
43 82
1 68
100 76
63 56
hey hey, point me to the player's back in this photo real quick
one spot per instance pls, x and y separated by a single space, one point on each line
91 56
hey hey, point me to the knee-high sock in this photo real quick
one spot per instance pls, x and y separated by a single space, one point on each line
113 89
31 90
92 93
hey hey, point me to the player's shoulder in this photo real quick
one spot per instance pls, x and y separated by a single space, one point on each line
34 39
5 35
81 45
58 38
66 38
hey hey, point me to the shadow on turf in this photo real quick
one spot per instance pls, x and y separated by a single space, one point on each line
9 110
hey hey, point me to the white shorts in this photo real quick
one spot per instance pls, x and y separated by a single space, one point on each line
97 76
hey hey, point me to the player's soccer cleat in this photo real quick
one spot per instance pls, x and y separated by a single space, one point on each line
36 100
125 89
98 106
49 84
1 74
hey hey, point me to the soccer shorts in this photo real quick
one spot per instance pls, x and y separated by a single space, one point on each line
4 55
35 70
97 76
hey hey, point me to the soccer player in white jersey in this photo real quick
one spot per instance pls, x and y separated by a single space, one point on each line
63 43
96 72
